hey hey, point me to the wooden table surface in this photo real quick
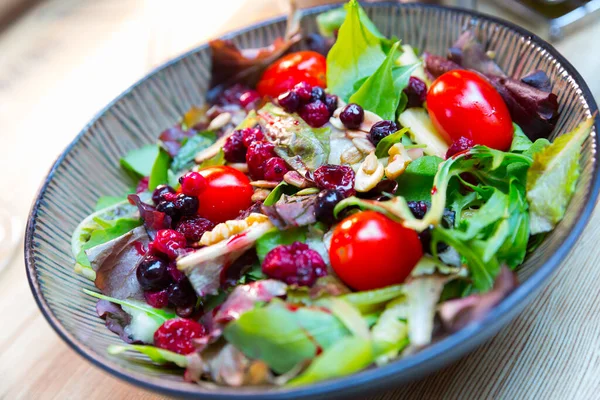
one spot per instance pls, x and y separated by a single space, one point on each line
66 59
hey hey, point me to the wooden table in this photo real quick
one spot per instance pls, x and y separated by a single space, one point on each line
66 59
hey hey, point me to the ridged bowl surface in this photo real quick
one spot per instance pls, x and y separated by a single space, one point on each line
89 168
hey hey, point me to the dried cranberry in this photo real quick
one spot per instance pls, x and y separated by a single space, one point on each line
160 191
294 264
248 97
331 101
168 241
338 177
326 202
142 185
158 299
234 148
176 335
317 93
186 205
176 275
251 135
152 274
192 183
232 95
304 91
316 114
275 168
462 144
382 129
416 92
352 116
258 153
193 228
289 101
182 294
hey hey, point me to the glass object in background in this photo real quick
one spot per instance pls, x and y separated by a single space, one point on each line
10 234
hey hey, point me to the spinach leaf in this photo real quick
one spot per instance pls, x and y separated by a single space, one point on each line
552 177
401 77
139 162
379 93
281 189
387 142
160 169
271 334
184 159
356 54
348 355
417 180
157 355
302 147
330 21
275 237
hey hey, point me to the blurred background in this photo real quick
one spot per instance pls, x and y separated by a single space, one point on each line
61 61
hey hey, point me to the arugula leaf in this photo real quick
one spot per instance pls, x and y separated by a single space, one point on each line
348 355
275 237
379 93
157 355
520 141
417 180
552 177
139 162
184 159
109 201
356 54
302 147
160 169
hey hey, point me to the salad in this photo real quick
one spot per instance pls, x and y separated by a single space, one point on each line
330 209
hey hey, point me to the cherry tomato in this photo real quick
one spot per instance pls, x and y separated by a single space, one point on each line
226 194
463 104
283 74
370 251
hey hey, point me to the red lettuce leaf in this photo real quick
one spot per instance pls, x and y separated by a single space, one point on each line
243 298
115 318
115 263
292 211
456 314
470 54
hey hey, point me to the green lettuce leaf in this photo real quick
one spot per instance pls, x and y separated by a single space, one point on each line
348 355
302 147
390 332
379 93
552 177
281 189
356 54
217 159
139 162
109 201
372 300
160 169
157 355
520 141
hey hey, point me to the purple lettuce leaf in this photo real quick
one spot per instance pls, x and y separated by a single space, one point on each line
292 211
470 54
153 220
115 318
115 263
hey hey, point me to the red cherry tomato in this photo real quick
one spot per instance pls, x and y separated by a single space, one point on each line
226 194
370 251
463 104
283 74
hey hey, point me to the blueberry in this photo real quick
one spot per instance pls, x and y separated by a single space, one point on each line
152 274
168 208
182 294
382 129
289 101
160 191
326 202
317 93
186 205
352 116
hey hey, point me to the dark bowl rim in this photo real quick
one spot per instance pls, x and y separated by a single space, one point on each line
375 379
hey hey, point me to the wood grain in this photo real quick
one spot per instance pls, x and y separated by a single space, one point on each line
66 59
